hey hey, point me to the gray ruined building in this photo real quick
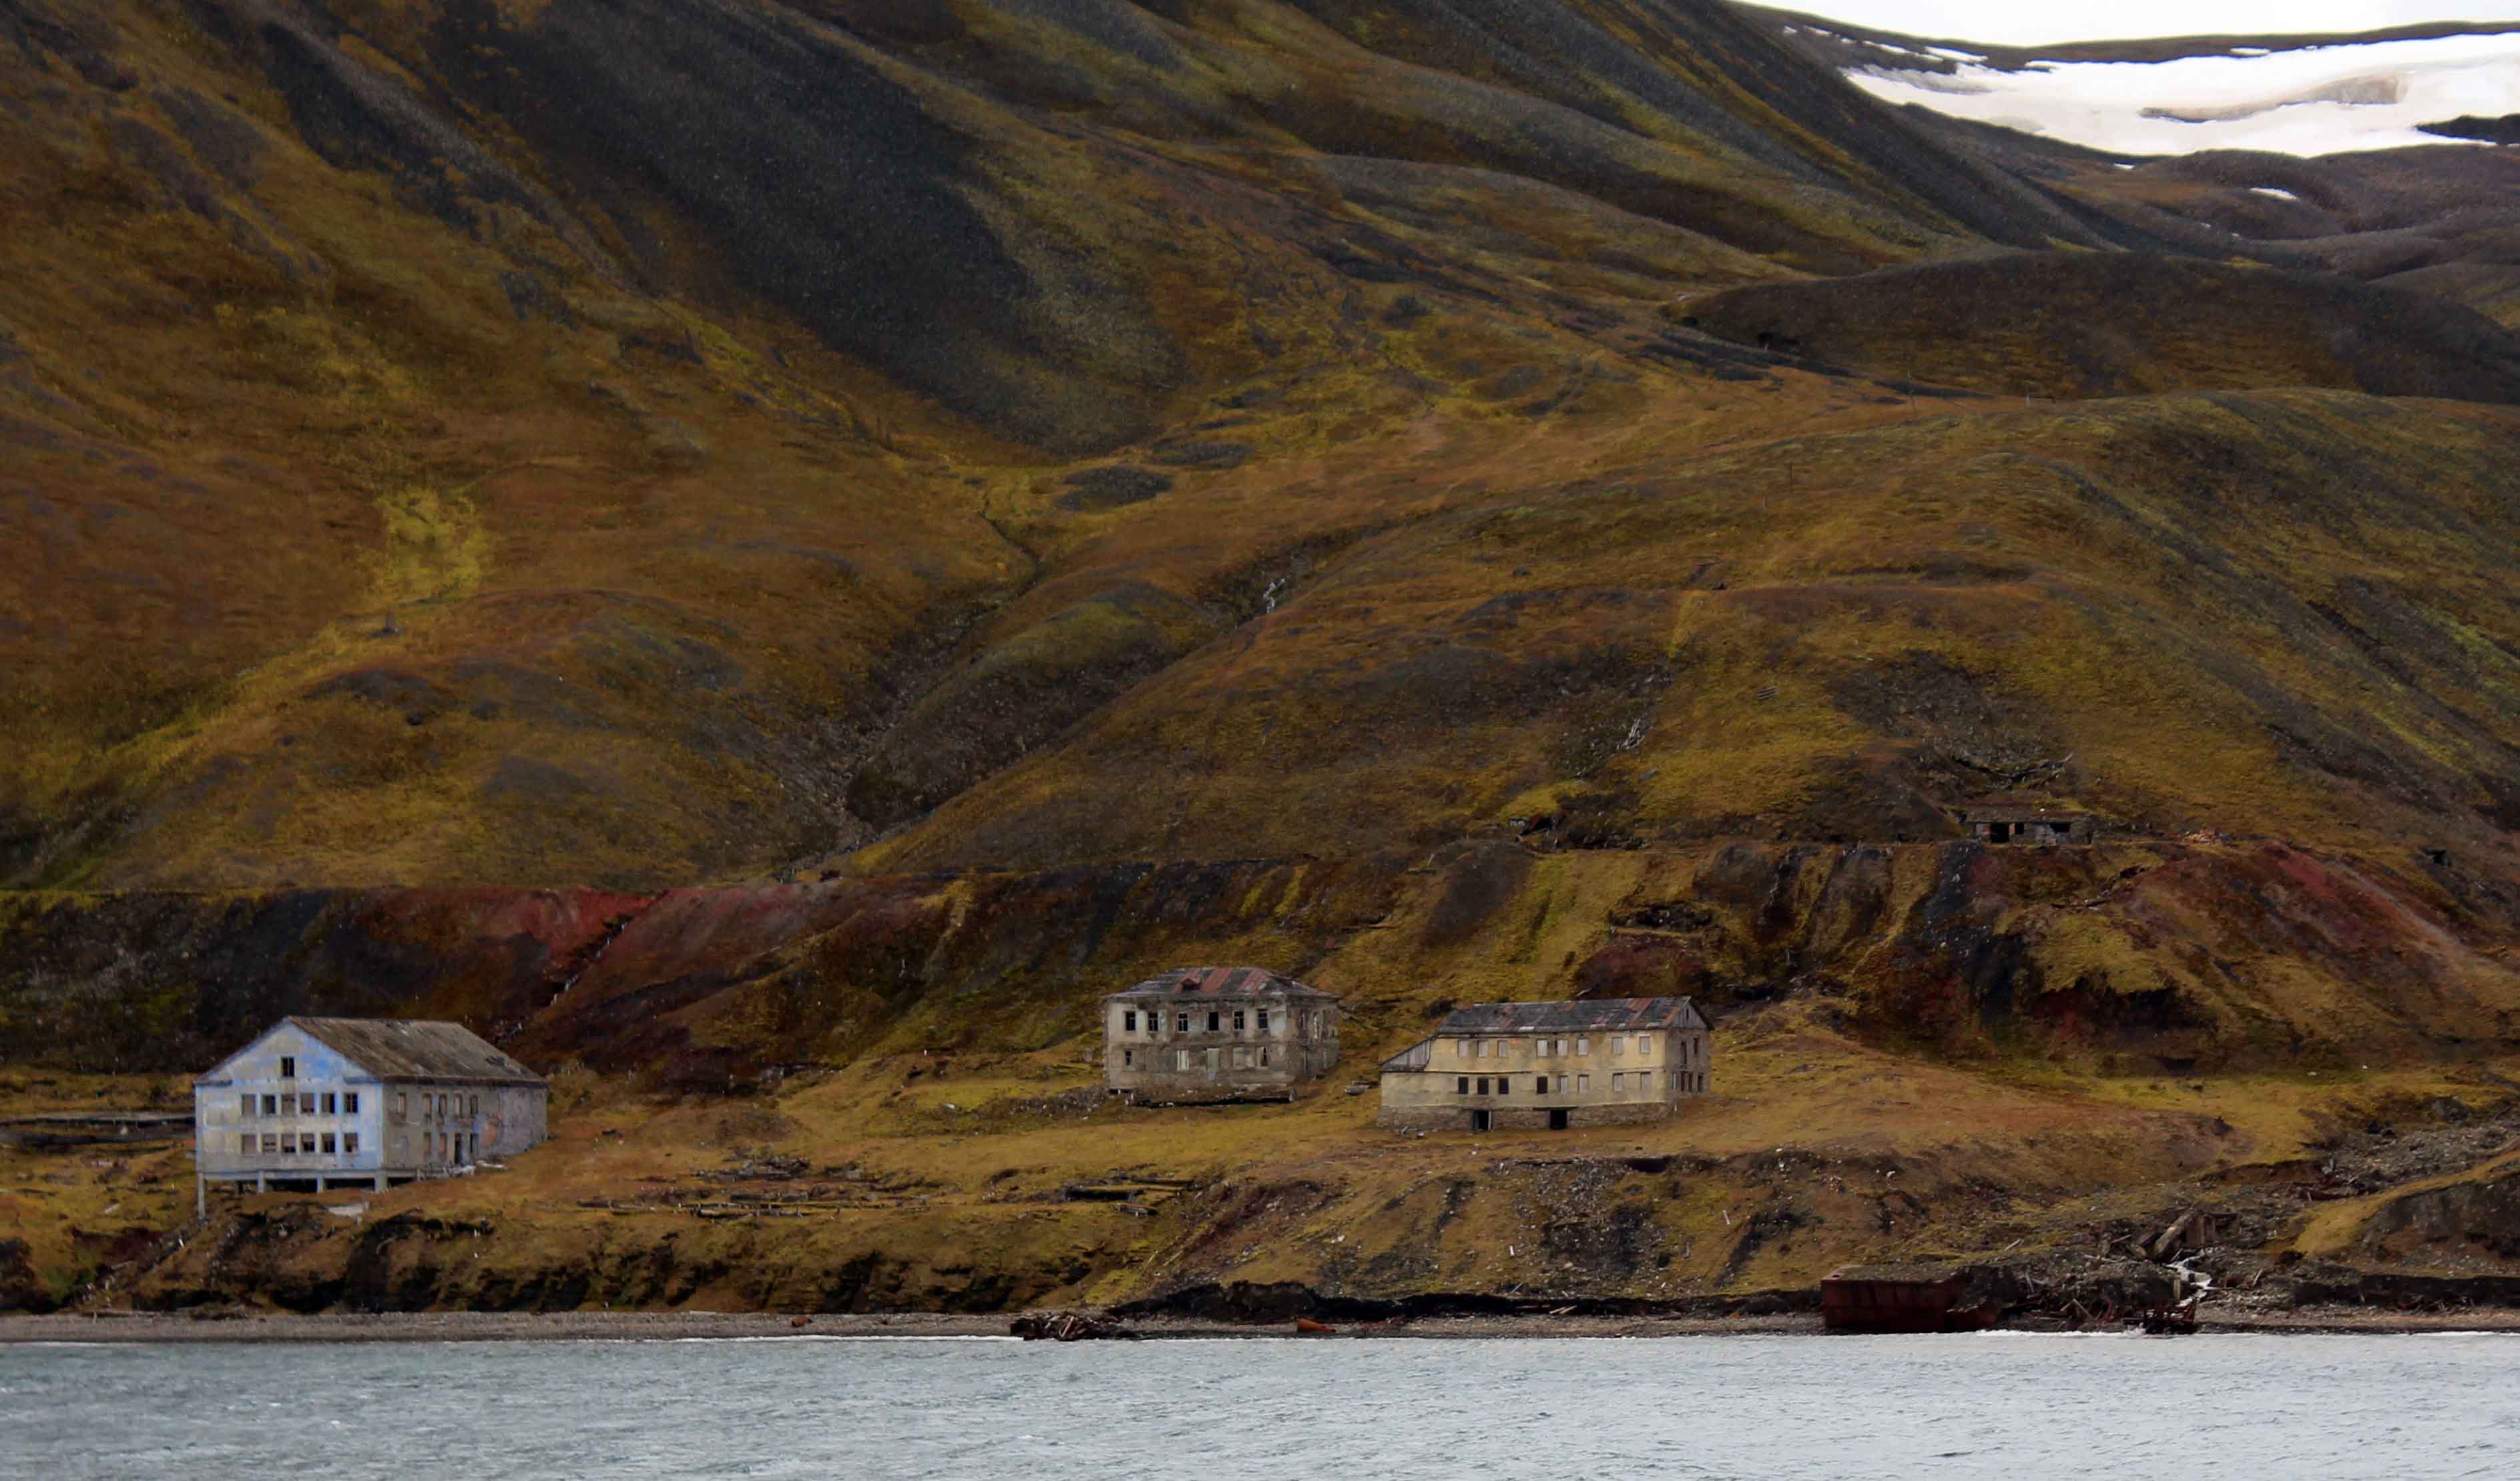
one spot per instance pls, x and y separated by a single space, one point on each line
1555 1065
1218 1033
2021 819
327 1102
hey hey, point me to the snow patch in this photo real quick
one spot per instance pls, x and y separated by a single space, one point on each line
2318 101
2269 190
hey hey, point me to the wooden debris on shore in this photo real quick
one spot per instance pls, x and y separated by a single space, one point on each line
1070 1326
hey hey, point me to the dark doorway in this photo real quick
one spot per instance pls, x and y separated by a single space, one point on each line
1478 1120
1557 1120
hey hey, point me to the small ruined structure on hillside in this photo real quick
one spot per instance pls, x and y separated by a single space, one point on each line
1218 1033
321 1103
2022 820
1583 1062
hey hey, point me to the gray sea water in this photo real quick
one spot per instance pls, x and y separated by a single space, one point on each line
1508 1410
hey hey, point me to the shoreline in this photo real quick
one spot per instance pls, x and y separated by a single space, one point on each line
165 1328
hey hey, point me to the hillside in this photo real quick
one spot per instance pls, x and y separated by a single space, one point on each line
765 553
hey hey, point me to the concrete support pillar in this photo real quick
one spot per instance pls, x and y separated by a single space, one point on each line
261 1183
381 1183
319 1182
201 1196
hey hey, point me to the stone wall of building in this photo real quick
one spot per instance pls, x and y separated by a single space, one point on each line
1224 1063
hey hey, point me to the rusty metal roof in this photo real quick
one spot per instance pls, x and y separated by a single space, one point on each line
1576 1015
1224 982
397 1048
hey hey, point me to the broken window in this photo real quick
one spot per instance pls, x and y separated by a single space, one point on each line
402 1106
288 1067
327 1144
1212 1059
332 1106
350 1144
306 1104
1129 1022
1264 1057
248 1108
1540 1085
1128 1058
1215 1020
1184 1024
1238 1020
473 1105
270 1143
245 1143
350 1104
1483 1085
271 1105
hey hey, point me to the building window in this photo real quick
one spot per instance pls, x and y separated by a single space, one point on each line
1183 1025
1542 1049
1242 1058
332 1106
247 1111
271 1105
1215 1020
1619 1084
1644 1080
327 1144
1540 1085
270 1143
288 1144
473 1105
1582 1085
1645 1047
1264 1020
349 1144
1583 1047
1618 1044
1462 1085
1238 1020
1483 1085
1129 1022
245 1144
1128 1058
306 1104
1264 1057
1181 1058
350 1104
288 1067
402 1105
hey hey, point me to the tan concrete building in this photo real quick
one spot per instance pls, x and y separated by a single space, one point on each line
1218 1033
336 1102
2027 821
1552 1065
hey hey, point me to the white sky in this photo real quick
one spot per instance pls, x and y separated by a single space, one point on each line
2011 22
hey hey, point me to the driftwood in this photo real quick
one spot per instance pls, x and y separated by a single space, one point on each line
1070 1326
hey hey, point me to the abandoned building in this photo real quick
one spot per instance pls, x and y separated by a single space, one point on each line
2016 820
1583 1062
1218 1033
326 1102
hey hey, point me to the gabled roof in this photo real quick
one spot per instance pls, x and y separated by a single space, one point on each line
410 1049
1224 982
2018 810
1575 1014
